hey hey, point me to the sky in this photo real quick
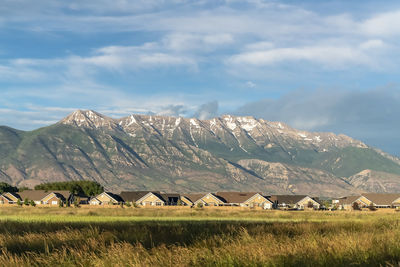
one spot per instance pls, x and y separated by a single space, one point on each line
315 65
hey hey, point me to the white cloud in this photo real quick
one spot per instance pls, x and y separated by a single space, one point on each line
385 24
332 56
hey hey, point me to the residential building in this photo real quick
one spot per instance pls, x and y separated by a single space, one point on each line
299 202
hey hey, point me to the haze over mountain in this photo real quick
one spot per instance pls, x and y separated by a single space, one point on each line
192 155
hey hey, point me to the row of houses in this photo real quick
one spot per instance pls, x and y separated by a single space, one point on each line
366 200
156 198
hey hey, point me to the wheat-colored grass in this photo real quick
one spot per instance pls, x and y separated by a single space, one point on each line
192 237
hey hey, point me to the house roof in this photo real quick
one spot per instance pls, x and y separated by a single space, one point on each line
348 200
37 195
4 196
11 195
381 199
133 196
234 197
194 197
287 199
114 196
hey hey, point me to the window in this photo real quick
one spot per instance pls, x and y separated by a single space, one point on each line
158 203
54 202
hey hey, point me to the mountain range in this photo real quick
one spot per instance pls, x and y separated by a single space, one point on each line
178 154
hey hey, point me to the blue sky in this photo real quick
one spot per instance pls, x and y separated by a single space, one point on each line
316 65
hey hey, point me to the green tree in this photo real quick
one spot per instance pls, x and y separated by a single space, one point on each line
88 188
4 187
32 203
77 201
26 201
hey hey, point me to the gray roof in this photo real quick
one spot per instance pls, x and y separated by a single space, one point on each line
234 197
381 199
37 195
133 196
287 199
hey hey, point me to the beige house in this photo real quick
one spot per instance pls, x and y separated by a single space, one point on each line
8 198
43 197
209 200
347 203
378 200
151 199
106 198
190 199
299 202
244 199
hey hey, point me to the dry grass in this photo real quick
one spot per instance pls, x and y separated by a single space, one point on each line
190 237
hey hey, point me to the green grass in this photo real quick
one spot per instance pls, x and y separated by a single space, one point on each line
196 237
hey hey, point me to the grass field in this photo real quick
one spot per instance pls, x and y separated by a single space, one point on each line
196 237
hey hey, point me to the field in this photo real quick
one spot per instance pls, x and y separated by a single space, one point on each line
36 236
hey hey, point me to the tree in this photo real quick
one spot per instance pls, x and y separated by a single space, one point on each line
19 203
88 188
356 206
60 203
77 201
32 203
4 187
26 201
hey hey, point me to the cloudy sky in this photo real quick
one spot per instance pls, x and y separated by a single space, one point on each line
316 65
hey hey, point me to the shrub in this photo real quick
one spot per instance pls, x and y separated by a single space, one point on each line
60 203
19 203
356 206
128 204
76 202
32 203
134 204
200 205
26 201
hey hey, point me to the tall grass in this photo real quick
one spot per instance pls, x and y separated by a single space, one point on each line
336 239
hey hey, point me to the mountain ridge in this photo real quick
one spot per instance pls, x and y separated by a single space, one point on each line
187 154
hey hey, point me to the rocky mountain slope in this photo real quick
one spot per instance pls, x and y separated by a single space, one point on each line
187 154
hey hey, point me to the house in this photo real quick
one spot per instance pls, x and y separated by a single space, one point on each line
8 198
384 200
190 199
244 199
106 198
209 199
43 197
299 202
152 199
4 200
132 196
347 203
94 201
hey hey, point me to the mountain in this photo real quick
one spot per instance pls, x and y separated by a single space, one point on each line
374 181
188 155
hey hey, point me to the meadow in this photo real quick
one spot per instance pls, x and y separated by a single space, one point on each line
36 236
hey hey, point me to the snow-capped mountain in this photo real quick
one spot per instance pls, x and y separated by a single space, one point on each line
188 154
